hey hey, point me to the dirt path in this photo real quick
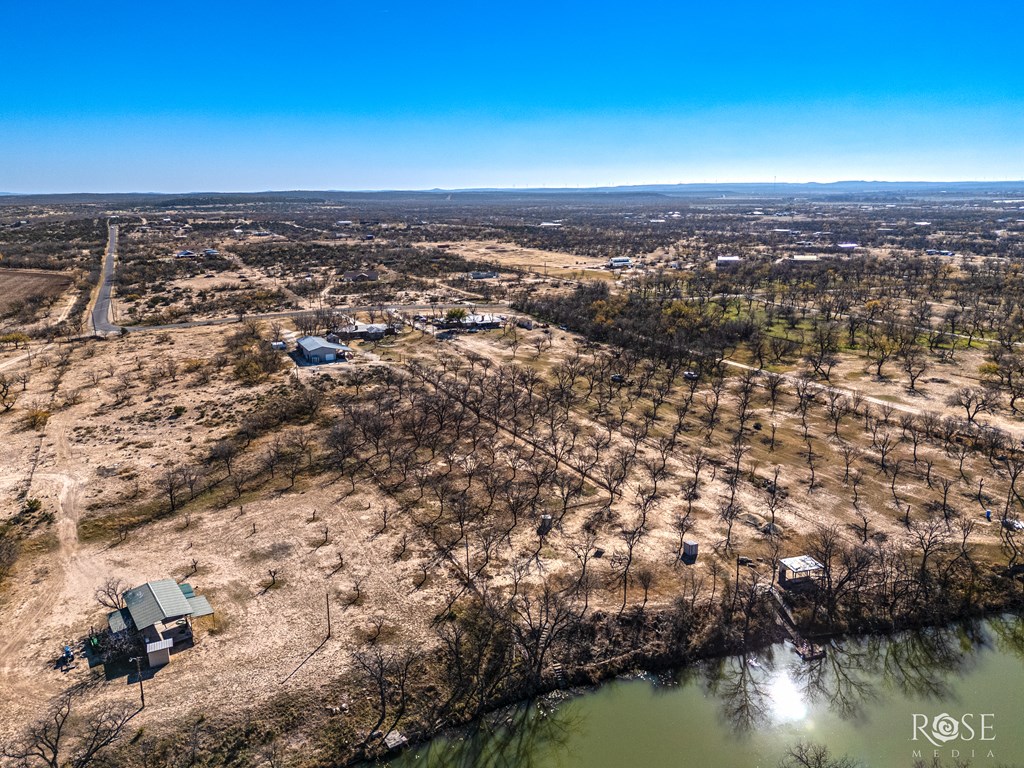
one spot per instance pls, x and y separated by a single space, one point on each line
34 627
12 361
818 387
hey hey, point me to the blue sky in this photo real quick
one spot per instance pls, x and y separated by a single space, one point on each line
336 95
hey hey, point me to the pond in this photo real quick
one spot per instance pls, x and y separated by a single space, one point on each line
954 692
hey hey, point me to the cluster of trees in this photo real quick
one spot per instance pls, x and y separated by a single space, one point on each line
57 243
301 257
475 455
143 282
490 471
142 272
662 327
250 354
900 316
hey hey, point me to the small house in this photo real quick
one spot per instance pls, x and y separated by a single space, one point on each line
366 331
361 276
317 349
482 275
728 262
801 571
160 613
471 322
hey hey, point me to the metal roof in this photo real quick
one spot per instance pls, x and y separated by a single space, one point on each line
155 602
801 564
482 319
200 606
118 620
312 343
160 645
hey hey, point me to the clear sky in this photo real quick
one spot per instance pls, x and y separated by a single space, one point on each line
194 96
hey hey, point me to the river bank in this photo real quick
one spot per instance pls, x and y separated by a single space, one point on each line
863 699
679 639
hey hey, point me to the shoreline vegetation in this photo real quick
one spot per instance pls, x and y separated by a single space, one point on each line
420 697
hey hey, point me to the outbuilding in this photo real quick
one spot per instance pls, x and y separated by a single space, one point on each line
317 349
799 571
160 613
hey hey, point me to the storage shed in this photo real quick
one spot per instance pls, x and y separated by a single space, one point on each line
159 653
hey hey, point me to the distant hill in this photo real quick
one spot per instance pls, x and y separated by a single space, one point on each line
813 188
738 191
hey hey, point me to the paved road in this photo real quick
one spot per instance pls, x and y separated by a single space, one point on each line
101 310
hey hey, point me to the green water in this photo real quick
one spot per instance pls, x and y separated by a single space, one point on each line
745 712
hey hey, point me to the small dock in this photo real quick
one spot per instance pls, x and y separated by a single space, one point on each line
807 650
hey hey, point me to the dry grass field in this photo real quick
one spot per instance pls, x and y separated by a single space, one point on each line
542 263
19 286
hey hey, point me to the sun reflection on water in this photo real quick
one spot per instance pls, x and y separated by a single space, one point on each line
787 701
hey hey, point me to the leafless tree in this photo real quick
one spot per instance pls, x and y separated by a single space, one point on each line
64 740
109 595
974 401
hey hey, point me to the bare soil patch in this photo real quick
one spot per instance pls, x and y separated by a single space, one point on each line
18 286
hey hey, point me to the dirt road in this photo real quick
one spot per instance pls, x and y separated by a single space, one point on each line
34 628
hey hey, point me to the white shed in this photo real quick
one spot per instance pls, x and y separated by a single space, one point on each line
159 653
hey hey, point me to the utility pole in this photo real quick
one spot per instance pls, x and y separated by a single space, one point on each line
138 672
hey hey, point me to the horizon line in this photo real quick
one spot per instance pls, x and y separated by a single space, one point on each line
527 188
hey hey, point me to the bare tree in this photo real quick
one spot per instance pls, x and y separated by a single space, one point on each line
974 401
62 740
109 595
805 755
773 498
